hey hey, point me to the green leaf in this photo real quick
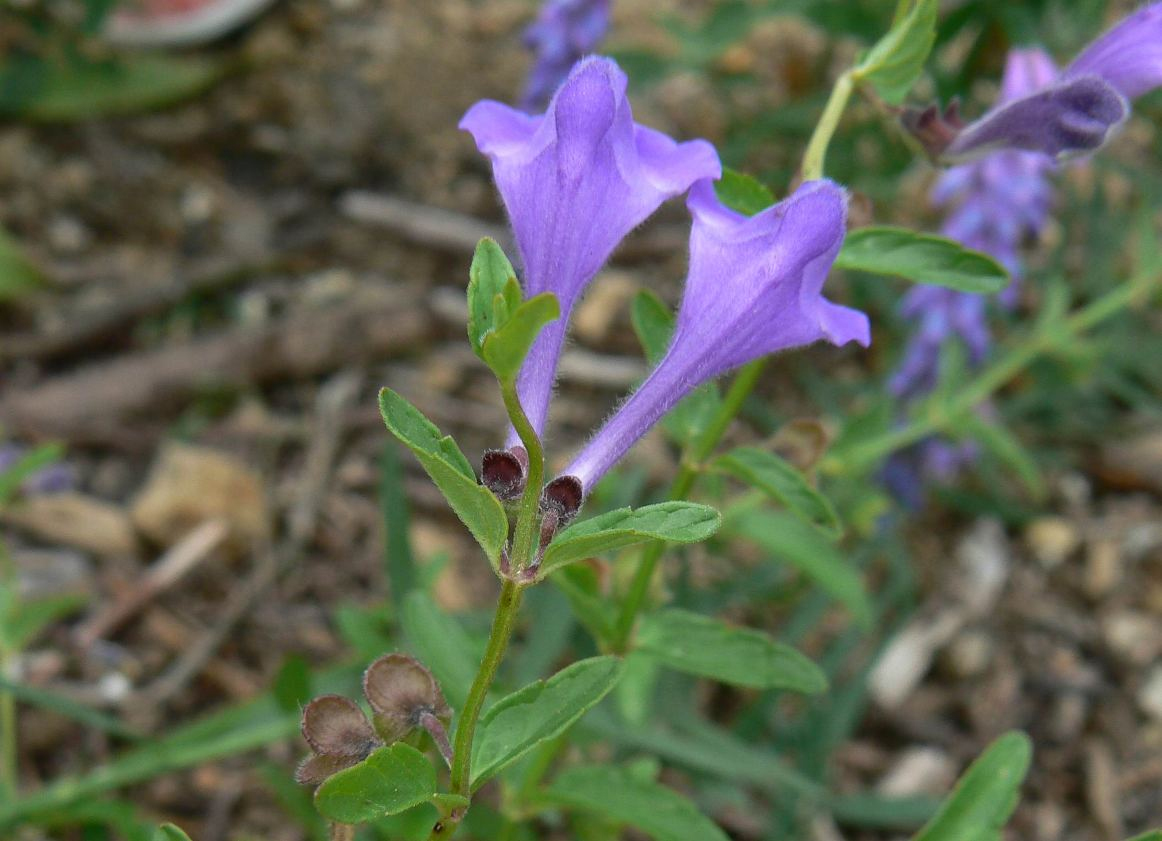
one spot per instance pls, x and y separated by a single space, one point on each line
779 480
986 794
922 258
487 278
617 793
390 781
170 832
677 522
17 273
592 608
77 89
1152 835
704 646
474 504
441 644
794 542
30 462
292 683
540 711
653 322
894 64
1005 448
743 193
24 620
505 348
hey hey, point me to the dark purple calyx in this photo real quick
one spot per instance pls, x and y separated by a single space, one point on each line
503 472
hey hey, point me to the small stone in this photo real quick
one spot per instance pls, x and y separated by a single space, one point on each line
66 235
919 770
1150 695
197 204
1103 567
1052 540
189 485
969 654
1133 637
76 520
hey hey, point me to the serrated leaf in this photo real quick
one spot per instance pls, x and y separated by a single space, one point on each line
779 480
622 795
80 88
170 832
677 522
922 258
540 711
793 542
504 349
701 645
742 193
894 64
18 274
487 277
443 461
986 794
390 781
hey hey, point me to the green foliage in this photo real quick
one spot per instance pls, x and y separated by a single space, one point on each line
540 711
441 644
793 542
742 192
985 796
18 274
78 88
170 832
700 645
674 521
894 64
502 327
921 258
390 781
625 797
443 461
779 480
32 461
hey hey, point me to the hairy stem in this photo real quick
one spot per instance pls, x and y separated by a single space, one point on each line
816 152
342 832
502 625
523 545
698 451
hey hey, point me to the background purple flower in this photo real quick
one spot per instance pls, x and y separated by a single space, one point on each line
755 287
57 477
564 31
575 181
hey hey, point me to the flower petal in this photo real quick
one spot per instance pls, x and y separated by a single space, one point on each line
1128 56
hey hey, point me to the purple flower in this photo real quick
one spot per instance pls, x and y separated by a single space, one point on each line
575 181
564 31
57 477
1081 110
754 287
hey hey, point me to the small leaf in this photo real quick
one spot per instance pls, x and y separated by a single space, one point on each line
170 832
474 504
487 277
292 683
1005 448
794 542
390 781
540 711
18 274
77 88
505 348
27 618
704 646
776 478
894 64
743 193
677 522
922 258
986 794
653 323
618 793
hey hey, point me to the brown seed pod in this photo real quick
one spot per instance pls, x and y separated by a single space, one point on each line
401 690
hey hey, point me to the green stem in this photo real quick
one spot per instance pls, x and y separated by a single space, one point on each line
992 379
8 759
699 450
816 152
502 625
523 545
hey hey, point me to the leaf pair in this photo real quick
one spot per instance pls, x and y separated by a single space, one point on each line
501 326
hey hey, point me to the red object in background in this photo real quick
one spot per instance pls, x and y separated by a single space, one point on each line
173 23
